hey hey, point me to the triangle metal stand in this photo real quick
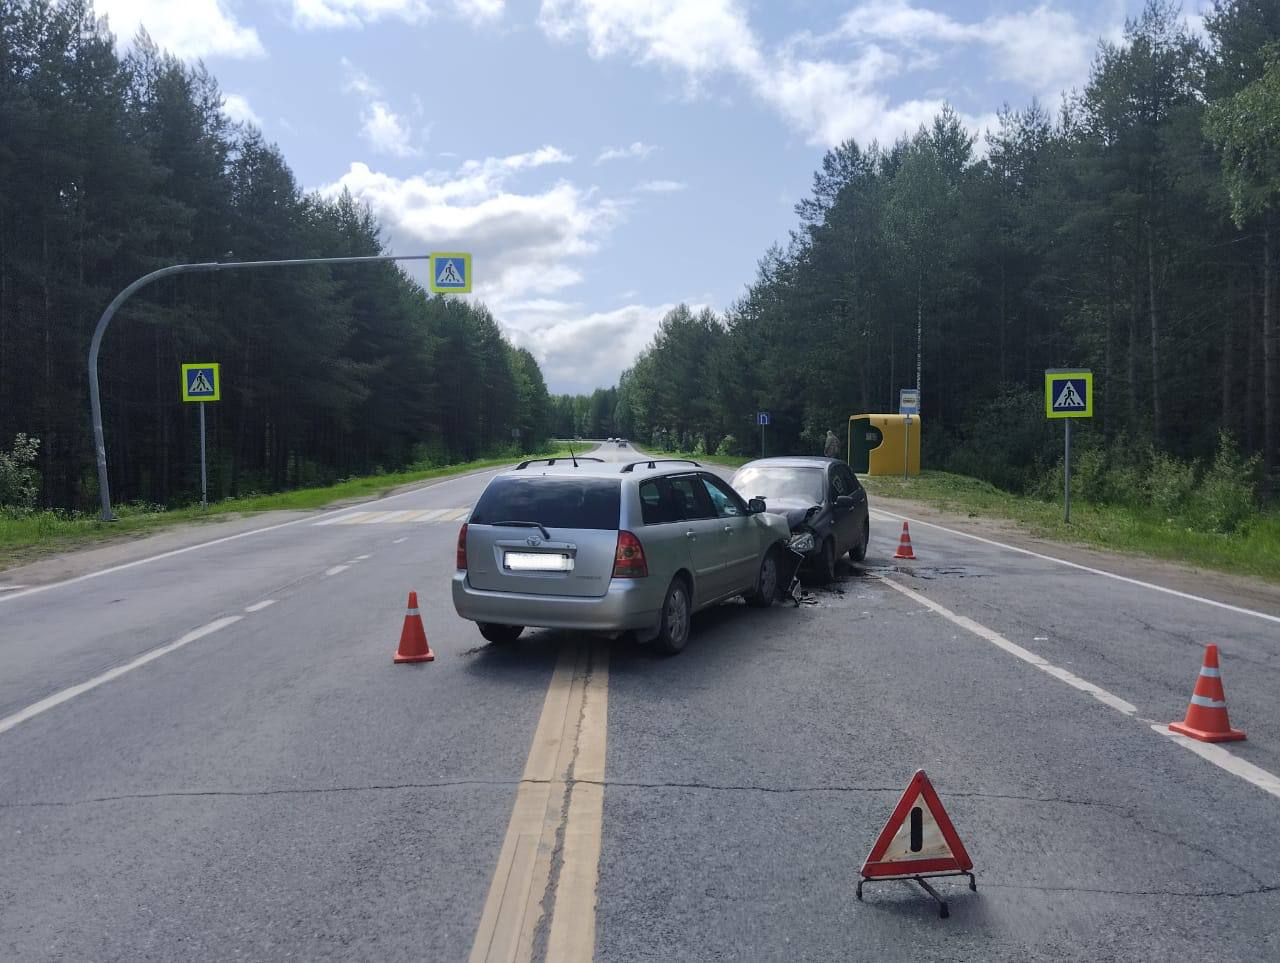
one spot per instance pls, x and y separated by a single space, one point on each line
944 912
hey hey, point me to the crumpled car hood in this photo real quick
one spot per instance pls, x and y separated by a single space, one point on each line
793 510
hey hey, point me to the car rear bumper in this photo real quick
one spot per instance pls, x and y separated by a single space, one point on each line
628 604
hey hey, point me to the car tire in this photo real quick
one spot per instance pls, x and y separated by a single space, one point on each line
825 564
766 589
499 634
673 631
859 552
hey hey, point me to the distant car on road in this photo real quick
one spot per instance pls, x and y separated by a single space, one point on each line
622 443
823 502
612 547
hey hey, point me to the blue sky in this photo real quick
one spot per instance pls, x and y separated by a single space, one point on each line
606 159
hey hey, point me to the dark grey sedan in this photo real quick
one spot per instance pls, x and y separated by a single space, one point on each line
823 502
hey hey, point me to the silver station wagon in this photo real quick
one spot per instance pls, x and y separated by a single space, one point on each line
612 547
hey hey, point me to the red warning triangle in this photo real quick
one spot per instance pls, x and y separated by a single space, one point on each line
918 838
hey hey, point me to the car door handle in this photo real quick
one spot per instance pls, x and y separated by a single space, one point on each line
690 534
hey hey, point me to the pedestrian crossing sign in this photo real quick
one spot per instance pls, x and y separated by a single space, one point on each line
1068 393
201 382
451 273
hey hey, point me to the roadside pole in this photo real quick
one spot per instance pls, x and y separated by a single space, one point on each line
1066 470
453 277
204 471
202 383
906 448
908 405
762 419
1068 394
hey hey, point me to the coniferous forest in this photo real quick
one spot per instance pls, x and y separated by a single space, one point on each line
112 166
1134 232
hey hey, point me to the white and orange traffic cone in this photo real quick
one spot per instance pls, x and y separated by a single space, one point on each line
413 637
1207 714
904 544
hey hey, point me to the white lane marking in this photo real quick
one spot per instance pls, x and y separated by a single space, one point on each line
231 538
995 638
339 519
361 558
1215 754
336 569
431 514
21 716
259 606
403 538
454 514
1225 760
1085 568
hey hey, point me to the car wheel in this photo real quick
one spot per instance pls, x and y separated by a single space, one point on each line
676 611
499 634
859 552
766 589
826 564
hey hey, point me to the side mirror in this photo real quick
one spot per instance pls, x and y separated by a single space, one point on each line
757 506
844 502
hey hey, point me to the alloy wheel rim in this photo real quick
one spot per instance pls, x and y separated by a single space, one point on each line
677 616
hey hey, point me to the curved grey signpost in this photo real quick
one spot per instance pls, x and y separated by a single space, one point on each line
95 404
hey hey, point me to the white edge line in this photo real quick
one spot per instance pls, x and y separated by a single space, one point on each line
8 722
998 640
1085 568
1225 760
259 606
399 540
1257 776
231 538
336 569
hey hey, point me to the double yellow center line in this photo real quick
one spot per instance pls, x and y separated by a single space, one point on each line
543 894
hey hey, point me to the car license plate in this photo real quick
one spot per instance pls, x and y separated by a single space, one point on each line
537 562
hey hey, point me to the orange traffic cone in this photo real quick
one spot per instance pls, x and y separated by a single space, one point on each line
904 544
413 637
1207 714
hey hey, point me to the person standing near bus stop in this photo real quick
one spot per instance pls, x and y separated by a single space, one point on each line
832 447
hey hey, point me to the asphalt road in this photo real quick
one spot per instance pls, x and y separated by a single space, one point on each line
274 788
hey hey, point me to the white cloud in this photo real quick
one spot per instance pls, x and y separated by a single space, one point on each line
357 81
328 14
238 110
334 14
661 187
480 9
1043 48
826 97
636 150
190 29
525 245
385 132
581 352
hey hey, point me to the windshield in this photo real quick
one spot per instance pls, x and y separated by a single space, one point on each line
781 482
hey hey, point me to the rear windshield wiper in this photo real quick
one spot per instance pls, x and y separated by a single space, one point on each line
518 524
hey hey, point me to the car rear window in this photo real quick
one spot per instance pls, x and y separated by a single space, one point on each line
553 502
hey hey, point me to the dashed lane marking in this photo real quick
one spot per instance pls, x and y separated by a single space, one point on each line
1084 568
66 695
259 606
337 569
1220 757
203 546
402 538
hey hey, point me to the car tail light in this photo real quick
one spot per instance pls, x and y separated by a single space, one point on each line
628 560
462 548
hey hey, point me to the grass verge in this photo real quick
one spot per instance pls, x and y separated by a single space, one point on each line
1254 551
26 537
